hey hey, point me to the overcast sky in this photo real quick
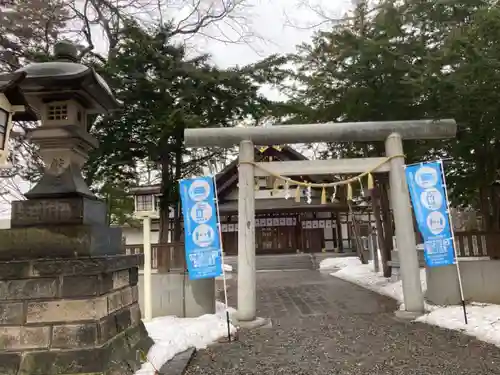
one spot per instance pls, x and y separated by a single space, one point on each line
279 25
271 19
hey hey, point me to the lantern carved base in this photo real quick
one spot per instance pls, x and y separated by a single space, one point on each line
71 317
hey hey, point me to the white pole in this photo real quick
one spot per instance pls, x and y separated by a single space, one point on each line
222 258
221 243
452 232
246 234
148 309
403 219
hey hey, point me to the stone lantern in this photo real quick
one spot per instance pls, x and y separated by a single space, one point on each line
64 93
68 293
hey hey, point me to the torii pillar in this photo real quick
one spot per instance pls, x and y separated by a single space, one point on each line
391 132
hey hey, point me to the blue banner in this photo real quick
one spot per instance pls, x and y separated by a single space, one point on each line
201 231
430 204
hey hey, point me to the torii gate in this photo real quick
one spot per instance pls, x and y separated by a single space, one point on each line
392 132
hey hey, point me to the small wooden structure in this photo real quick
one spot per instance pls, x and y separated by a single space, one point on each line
281 225
284 225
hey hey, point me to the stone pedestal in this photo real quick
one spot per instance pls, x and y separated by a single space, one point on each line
71 316
76 210
68 295
59 227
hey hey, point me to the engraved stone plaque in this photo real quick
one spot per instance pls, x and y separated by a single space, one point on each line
62 211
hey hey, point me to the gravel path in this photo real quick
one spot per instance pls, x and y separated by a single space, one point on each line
323 325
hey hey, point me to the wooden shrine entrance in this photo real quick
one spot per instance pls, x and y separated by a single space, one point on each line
301 232
283 234
283 225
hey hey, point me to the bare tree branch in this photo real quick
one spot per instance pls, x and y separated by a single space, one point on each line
30 29
320 17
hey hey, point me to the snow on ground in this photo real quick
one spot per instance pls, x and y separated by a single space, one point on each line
483 319
228 268
174 335
351 269
336 263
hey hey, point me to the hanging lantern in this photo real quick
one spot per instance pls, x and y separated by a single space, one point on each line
361 187
287 189
13 106
334 195
297 194
349 192
370 183
323 195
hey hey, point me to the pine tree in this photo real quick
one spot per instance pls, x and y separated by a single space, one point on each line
164 91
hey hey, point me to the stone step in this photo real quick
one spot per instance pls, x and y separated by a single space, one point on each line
276 262
287 261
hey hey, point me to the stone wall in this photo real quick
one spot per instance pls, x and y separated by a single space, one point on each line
72 316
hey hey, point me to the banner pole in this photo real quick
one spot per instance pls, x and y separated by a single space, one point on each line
222 258
148 304
460 285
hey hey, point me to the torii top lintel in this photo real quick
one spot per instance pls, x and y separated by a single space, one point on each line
326 132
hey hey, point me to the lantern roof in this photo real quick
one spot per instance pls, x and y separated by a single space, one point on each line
65 77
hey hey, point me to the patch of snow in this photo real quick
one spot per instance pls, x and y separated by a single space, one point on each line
228 268
351 269
173 335
483 319
341 262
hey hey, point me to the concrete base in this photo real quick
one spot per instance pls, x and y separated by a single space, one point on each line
480 280
175 294
252 324
408 315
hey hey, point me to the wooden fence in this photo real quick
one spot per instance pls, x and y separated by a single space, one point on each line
478 244
164 256
469 244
